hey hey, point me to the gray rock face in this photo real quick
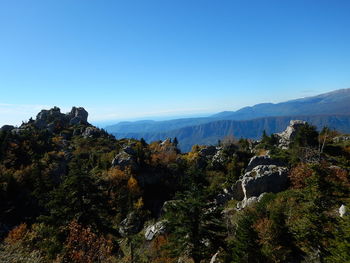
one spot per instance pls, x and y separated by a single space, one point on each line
289 133
91 132
208 151
47 119
78 115
130 225
154 230
219 157
262 175
343 211
247 202
7 128
262 160
264 178
125 158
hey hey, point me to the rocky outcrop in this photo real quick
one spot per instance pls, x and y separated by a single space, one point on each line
50 119
250 201
263 174
154 230
262 160
264 178
91 132
286 137
208 151
78 115
125 158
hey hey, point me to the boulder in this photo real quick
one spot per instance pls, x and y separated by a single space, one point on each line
91 132
343 211
125 158
154 230
289 133
264 178
262 160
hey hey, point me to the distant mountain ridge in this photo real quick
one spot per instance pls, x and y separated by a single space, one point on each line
330 109
335 102
210 133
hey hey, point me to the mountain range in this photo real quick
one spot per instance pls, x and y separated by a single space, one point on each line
329 109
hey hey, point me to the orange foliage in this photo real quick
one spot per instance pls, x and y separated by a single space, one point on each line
158 251
133 186
17 234
339 175
264 229
116 175
84 246
298 175
163 157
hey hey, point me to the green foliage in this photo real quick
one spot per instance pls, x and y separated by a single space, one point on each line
61 199
244 246
78 197
195 229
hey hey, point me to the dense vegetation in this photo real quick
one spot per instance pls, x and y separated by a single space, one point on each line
67 195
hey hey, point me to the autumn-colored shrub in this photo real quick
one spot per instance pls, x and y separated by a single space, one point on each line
17 234
298 175
85 246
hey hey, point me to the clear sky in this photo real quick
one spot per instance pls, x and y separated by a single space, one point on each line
128 59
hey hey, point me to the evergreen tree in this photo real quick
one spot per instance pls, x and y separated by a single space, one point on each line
78 198
196 228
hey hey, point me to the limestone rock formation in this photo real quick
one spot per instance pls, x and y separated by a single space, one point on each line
264 178
289 133
262 160
263 174
208 151
91 132
154 230
50 119
125 158
247 202
78 115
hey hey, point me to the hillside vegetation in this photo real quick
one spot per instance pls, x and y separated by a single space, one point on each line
70 192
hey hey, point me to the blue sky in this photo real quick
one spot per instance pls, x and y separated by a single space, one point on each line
142 59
